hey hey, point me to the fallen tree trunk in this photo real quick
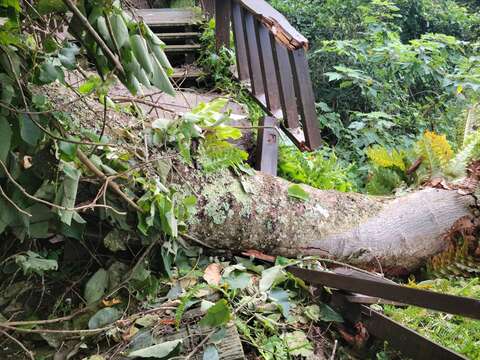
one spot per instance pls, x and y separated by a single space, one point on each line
237 213
396 234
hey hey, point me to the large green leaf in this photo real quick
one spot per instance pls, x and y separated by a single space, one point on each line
158 351
29 132
68 192
217 315
96 286
140 50
5 139
32 262
104 317
120 30
271 276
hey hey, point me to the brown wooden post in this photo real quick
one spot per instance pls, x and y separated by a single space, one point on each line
267 146
222 23
208 7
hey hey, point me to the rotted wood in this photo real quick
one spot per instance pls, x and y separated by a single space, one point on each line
277 24
222 23
240 44
229 348
267 146
305 98
253 55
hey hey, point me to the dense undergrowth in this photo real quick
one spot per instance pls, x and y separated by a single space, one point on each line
385 72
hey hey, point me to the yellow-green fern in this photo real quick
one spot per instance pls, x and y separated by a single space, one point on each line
381 157
435 150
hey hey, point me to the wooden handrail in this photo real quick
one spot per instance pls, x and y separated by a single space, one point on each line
271 58
278 25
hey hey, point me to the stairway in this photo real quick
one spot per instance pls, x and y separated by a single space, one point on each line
180 30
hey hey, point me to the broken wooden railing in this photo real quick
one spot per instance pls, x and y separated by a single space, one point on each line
272 61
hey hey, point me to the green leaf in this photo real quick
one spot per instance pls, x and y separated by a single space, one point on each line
296 191
34 263
67 56
104 317
120 30
210 353
281 298
68 192
328 314
5 139
312 312
45 7
115 240
271 276
140 50
90 85
298 344
11 3
96 286
29 132
49 73
237 280
219 314
158 351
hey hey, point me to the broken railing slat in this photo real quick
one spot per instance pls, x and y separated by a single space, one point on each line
269 74
240 43
305 98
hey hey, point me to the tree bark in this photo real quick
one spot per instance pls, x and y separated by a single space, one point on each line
393 234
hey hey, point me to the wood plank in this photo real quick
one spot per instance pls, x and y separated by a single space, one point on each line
288 99
305 98
253 55
222 23
267 146
169 17
184 48
276 22
268 68
178 35
240 45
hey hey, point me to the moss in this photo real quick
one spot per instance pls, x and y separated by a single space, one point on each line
222 199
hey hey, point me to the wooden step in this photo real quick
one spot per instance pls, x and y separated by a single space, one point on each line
187 73
169 17
182 49
178 35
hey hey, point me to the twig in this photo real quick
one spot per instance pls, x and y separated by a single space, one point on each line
106 50
50 331
332 357
13 203
28 352
200 345
49 321
125 99
113 185
48 203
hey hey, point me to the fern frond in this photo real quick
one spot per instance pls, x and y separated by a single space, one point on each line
435 150
456 167
383 181
380 156
218 154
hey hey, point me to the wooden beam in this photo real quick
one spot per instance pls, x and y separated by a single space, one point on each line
222 23
267 146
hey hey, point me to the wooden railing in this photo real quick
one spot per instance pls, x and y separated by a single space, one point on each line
271 58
